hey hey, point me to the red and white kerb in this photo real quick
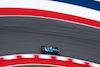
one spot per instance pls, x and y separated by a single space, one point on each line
41 59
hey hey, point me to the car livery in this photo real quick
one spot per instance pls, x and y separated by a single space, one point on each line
49 50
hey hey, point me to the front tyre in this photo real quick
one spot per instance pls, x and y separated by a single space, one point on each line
55 48
55 52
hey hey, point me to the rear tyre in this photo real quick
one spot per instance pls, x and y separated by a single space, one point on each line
42 49
44 52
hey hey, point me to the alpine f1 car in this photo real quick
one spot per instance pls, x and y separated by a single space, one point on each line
52 50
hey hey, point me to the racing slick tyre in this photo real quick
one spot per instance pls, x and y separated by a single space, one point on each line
44 52
55 52
42 49
55 48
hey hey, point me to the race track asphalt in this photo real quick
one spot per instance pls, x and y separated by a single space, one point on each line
27 34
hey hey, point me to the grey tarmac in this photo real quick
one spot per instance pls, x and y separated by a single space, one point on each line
25 35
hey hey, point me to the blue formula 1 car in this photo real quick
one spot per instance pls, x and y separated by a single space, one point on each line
49 50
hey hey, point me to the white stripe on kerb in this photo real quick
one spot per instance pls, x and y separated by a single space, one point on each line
94 65
27 56
78 61
10 57
52 6
62 58
45 56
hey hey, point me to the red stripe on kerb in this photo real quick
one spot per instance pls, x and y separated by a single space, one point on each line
37 60
50 14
